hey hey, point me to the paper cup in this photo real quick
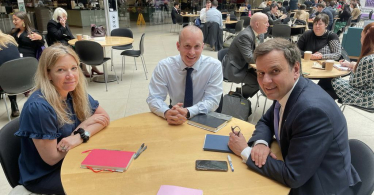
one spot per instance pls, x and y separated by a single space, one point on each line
79 37
86 37
307 55
329 65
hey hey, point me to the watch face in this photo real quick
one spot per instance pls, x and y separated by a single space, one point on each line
87 133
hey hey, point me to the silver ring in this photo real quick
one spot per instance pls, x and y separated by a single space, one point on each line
62 147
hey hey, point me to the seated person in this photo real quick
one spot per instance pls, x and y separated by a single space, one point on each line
355 12
262 4
214 15
204 10
330 6
302 15
281 9
344 15
358 90
275 18
58 116
193 81
308 126
59 31
322 43
29 40
321 9
240 54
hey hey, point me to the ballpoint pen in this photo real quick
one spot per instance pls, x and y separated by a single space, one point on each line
140 152
137 152
230 162
233 128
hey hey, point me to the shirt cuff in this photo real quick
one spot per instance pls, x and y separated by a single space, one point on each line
245 154
261 142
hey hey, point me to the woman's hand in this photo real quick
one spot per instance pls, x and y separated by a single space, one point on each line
350 65
316 56
94 119
34 36
62 22
69 143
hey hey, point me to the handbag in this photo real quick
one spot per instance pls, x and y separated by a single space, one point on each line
97 31
234 104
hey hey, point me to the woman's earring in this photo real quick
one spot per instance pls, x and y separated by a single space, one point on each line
23 24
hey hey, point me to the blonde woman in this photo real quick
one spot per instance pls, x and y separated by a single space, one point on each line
9 51
59 31
29 40
58 116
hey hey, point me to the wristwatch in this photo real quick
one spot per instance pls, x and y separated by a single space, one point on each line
85 135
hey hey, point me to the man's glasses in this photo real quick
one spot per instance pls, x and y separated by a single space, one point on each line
233 128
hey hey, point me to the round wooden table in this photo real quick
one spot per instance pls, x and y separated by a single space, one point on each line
314 73
107 42
169 160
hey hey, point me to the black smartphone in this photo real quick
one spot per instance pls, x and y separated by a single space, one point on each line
58 18
211 165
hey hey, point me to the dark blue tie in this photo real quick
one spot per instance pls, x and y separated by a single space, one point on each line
188 95
276 120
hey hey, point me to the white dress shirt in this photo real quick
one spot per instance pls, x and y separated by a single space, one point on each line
203 15
213 15
169 77
247 151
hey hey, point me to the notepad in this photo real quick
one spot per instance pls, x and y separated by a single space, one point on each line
109 160
207 122
176 190
216 143
340 67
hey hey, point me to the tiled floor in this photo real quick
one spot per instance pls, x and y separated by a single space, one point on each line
128 97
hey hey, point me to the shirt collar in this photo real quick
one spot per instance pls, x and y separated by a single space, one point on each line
284 100
183 66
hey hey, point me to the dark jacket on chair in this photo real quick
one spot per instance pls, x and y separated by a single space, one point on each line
213 35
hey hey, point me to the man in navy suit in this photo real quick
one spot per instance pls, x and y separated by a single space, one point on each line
174 12
307 124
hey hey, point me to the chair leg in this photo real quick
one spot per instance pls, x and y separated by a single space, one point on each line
122 69
144 67
115 74
111 59
136 68
6 107
254 112
105 77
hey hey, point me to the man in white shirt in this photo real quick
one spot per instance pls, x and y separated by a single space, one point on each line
204 10
193 81
213 15
308 126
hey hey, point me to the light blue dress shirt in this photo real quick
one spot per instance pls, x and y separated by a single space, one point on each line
169 77
213 15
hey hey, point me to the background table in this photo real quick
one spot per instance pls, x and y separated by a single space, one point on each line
315 73
109 41
169 160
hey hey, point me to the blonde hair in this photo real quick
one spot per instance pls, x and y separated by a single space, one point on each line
5 39
59 12
81 104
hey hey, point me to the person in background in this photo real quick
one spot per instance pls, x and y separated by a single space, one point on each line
330 6
262 4
323 43
307 124
29 40
359 89
204 10
58 116
281 9
302 15
9 51
321 9
214 15
308 3
344 15
355 12
59 31
193 81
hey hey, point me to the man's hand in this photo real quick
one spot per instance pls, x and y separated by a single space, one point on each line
260 153
180 109
173 117
237 143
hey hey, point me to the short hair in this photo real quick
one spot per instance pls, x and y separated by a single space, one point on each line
176 3
321 5
290 51
302 6
79 95
59 12
215 3
323 17
354 5
280 2
332 3
273 5
208 1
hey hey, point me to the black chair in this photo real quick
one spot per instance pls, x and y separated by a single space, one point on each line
348 24
370 14
221 54
135 54
92 54
17 77
247 21
358 20
238 28
362 159
180 20
121 32
333 24
281 31
10 149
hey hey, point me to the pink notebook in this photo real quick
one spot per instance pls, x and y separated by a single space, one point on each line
108 160
176 190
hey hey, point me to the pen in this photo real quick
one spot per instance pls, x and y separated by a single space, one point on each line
140 152
137 152
230 162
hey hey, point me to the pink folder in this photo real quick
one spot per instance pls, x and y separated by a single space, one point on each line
176 190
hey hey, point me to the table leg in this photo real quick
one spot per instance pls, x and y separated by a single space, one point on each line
101 78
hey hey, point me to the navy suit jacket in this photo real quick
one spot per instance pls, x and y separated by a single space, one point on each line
314 144
174 12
